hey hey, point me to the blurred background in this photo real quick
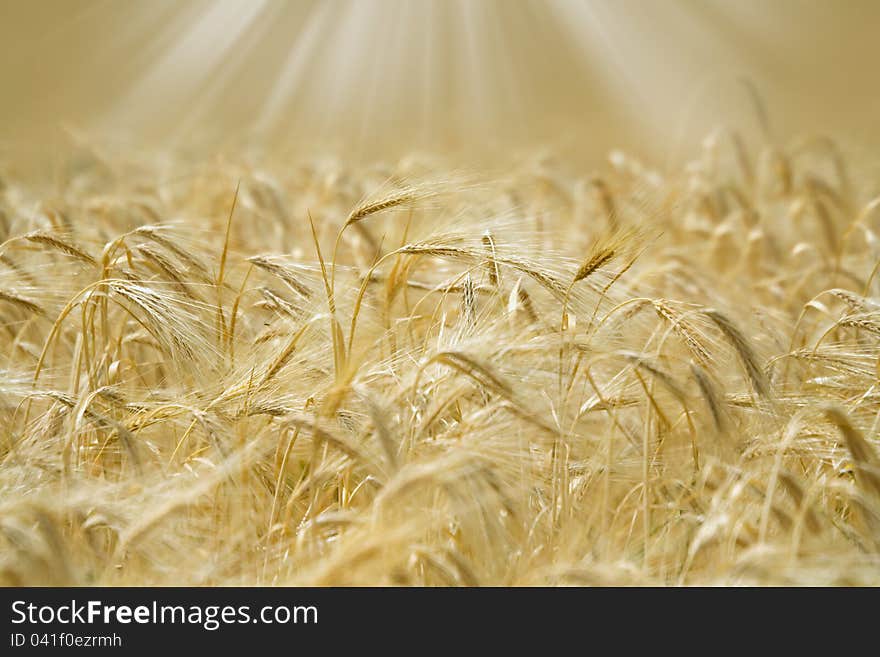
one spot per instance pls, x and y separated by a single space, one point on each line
368 77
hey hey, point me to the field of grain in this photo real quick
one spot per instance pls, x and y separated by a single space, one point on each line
439 292
314 372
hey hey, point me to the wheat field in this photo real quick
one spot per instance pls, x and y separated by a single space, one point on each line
433 293
403 373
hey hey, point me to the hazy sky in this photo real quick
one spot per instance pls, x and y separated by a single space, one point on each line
649 74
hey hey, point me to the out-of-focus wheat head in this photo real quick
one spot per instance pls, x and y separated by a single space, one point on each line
315 370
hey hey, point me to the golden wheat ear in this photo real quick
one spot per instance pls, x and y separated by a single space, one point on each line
865 459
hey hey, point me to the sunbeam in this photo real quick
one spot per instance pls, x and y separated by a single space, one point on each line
428 73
